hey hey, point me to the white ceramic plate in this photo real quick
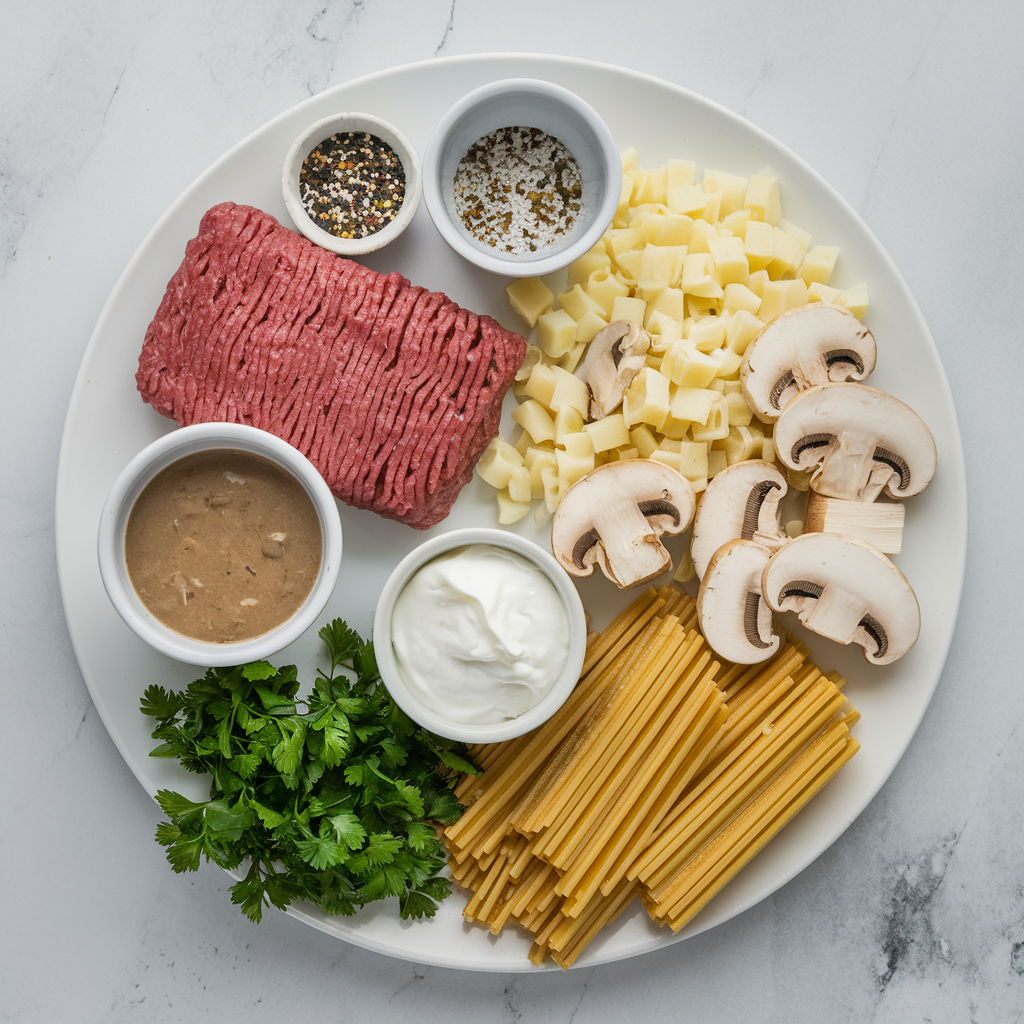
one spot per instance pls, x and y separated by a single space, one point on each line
107 423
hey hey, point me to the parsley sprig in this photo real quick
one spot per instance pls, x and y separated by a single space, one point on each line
333 799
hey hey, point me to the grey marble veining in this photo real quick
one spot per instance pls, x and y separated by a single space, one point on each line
913 111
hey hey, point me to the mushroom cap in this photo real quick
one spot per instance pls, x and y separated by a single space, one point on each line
615 355
801 348
847 590
614 517
738 502
858 441
731 611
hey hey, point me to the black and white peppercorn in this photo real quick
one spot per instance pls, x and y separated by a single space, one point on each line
352 185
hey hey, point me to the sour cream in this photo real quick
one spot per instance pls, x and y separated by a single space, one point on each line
479 635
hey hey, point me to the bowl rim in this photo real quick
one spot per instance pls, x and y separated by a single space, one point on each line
324 128
122 496
432 186
576 639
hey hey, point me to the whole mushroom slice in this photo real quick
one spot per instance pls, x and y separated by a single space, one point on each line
615 355
731 611
615 516
738 502
801 348
846 590
858 441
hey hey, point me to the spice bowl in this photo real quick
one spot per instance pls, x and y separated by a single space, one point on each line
446 716
349 197
504 195
212 439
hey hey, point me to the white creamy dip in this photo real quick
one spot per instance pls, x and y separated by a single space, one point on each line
480 635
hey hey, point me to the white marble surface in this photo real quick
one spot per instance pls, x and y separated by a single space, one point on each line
912 110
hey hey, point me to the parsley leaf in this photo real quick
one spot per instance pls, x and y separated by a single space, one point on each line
332 799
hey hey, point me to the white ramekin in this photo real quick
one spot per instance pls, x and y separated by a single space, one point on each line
576 640
324 129
528 103
129 485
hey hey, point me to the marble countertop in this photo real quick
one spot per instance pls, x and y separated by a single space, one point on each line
913 111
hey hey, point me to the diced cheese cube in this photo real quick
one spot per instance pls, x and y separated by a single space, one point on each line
571 358
541 384
549 478
785 254
739 412
741 330
803 238
739 296
855 299
604 288
821 293
717 461
509 510
586 327
569 390
622 240
652 190
730 260
717 426
743 443
757 281
757 243
669 301
674 230
498 462
535 420
728 362
778 296
628 453
732 187
762 199
556 333
576 302
593 260
664 330
535 460
608 432
529 297
707 334
818 264
679 172
568 421
712 205
736 222
632 309
576 461
519 487
646 399
660 267
693 404
693 460
701 234
686 199
628 264
686 366
643 440
698 276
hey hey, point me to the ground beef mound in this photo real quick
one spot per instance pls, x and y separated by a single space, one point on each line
390 390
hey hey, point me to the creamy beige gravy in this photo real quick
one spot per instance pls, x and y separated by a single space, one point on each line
223 546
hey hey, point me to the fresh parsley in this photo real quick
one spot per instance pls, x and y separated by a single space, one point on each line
333 799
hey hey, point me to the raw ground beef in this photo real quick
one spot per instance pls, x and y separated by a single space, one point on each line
391 391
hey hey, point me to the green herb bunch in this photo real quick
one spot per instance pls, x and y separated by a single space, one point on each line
333 799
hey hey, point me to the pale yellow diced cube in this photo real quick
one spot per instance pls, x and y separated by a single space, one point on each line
643 440
575 461
762 199
757 243
730 260
732 187
778 296
700 306
535 460
855 299
535 420
664 330
686 199
679 172
549 478
625 194
509 510
818 264
637 175
592 261
629 158
693 404
604 288
728 362
522 443
576 302
821 293
686 366
698 277
743 443
669 301
739 296
785 254
631 309
803 238
740 414
586 327
693 460
529 297
674 230
768 449
498 462
717 426
674 429
707 334
757 281
718 384
621 240
569 390
628 452
717 461
628 264
519 487
701 234
646 399
568 421
556 333
712 205
653 188
608 432
742 328
736 222
541 384
660 267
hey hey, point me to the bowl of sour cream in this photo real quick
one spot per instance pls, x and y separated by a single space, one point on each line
479 635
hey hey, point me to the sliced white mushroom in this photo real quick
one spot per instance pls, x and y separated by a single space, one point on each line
846 590
615 516
731 611
858 441
738 502
614 357
801 348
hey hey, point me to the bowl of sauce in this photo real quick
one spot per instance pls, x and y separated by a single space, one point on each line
219 544
521 177
479 635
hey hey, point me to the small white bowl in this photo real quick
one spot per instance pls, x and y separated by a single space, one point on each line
310 139
576 640
129 485
528 103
